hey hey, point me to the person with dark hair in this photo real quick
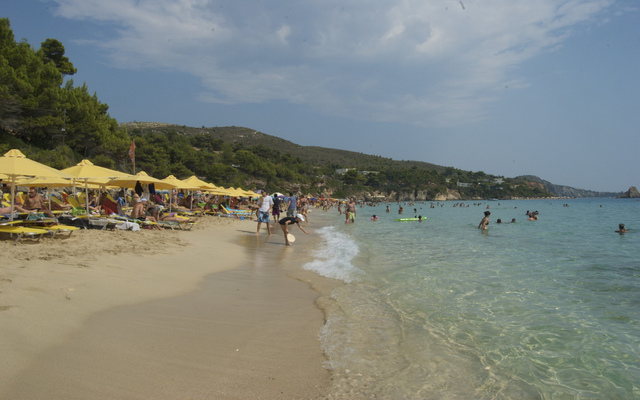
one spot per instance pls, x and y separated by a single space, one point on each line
266 204
275 211
484 224
622 229
291 205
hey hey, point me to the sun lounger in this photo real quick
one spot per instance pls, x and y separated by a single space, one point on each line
64 207
147 224
76 207
47 224
224 211
102 222
21 231
185 225
58 229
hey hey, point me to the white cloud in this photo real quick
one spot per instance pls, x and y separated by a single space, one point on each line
423 61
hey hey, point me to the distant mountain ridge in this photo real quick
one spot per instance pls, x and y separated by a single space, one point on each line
567 191
327 156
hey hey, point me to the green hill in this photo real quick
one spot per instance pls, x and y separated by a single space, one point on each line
318 156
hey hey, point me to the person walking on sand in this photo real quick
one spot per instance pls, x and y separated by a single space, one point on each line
291 205
276 210
266 204
304 207
285 222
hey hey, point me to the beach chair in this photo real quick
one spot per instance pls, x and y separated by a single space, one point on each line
55 230
22 231
213 211
65 207
185 225
76 207
40 221
141 223
242 214
110 207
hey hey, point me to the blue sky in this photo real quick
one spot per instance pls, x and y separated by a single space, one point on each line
509 87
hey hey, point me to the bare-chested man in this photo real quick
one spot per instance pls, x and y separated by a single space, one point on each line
34 202
350 211
139 212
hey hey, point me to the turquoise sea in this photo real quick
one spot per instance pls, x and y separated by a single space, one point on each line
546 309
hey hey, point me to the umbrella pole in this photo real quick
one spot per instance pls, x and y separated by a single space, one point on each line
86 196
13 196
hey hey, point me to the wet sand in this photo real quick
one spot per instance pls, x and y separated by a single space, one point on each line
207 314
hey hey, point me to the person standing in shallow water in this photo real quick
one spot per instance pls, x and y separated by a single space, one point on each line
484 224
350 211
622 229
285 222
266 205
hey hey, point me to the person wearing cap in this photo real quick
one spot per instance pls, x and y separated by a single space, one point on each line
484 224
139 212
286 221
139 209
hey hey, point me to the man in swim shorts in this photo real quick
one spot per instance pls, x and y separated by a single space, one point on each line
34 203
266 204
350 211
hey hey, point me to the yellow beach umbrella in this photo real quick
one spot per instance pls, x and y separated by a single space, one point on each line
86 171
249 193
194 180
179 184
233 192
130 181
218 191
91 173
14 164
45 182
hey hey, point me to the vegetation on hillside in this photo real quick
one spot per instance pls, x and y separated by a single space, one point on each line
51 120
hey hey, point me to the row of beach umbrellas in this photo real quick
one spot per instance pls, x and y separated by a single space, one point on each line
22 171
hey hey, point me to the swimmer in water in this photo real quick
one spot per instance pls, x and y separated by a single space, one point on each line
622 229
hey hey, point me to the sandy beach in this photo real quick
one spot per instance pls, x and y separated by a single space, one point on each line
211 313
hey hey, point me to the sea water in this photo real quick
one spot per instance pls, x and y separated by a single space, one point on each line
546 309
